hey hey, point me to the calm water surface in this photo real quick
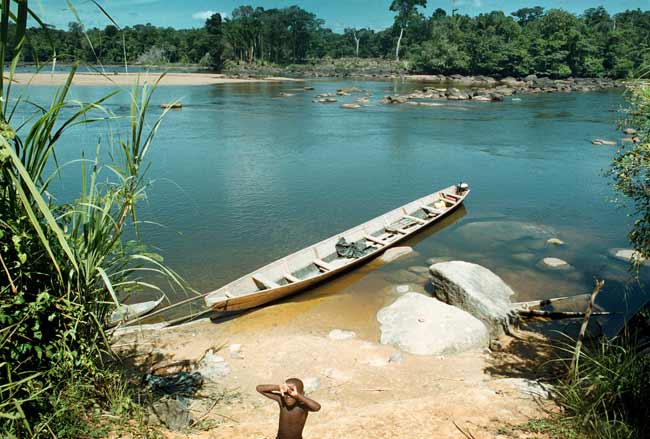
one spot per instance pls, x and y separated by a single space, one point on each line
243 177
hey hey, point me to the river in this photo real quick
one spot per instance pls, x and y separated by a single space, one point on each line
242 176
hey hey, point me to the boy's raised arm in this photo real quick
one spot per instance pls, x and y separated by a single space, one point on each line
311 405
269 390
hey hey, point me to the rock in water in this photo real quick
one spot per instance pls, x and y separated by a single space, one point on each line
402 289
394 253
555 241
556 263
422 325
339 334
475 289
628 255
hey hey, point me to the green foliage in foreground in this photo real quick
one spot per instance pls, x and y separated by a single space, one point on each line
528 41
631 168
608 396
63 267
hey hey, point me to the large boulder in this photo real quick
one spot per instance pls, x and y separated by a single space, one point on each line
475 289
422 325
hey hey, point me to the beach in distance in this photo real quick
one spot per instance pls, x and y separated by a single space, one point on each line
122 79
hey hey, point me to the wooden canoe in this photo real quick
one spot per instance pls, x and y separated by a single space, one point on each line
319 262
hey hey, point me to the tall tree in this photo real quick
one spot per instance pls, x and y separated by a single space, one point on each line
405 10
214 28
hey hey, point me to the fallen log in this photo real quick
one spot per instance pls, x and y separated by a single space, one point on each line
546 302
557 314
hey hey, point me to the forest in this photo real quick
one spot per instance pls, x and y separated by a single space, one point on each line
531 40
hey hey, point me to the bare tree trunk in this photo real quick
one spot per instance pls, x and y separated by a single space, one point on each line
399 43
356 40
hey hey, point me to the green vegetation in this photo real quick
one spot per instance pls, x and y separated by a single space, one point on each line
551 43
606 395
64 266
631 168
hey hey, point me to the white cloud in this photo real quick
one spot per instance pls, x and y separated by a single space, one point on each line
204 15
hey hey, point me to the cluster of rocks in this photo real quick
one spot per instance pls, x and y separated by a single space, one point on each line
470 307
332 98
486 89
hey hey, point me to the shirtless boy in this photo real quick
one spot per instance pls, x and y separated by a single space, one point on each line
294 406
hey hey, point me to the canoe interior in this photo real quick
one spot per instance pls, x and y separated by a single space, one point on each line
320 261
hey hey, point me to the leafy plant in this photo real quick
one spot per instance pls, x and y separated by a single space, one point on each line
64 267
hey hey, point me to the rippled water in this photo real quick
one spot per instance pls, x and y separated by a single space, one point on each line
244 176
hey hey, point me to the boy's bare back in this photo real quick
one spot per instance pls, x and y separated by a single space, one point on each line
294 406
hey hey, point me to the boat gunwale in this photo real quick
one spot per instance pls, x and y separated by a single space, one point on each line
294 287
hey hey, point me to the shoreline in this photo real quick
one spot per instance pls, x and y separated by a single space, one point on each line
128 79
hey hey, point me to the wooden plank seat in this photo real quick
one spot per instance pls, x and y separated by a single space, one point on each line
322 264
265 283
432 210
291 278
416 219
450 197
373 239
394 230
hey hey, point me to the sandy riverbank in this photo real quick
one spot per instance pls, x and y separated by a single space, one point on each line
363 394
128 79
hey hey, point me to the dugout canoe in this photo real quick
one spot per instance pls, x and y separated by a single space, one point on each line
322 261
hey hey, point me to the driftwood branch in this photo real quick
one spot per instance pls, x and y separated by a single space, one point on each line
583 329
546 302
557 314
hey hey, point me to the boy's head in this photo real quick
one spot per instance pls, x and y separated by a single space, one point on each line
300 388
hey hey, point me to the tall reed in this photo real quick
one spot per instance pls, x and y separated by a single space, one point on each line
63 266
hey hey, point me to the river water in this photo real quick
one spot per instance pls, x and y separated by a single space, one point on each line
243 176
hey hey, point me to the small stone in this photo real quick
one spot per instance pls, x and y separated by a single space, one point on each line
629 131
173 413
628 255
213 366
555 241
311 384
555 263
419 270
395 253
396 358
496 345
402 289
603 142
339 334
351 106
235 351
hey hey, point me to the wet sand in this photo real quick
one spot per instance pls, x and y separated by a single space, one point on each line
128 79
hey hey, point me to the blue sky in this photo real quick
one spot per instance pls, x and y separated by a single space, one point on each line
337 14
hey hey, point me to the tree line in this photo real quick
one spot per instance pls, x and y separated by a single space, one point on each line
532 40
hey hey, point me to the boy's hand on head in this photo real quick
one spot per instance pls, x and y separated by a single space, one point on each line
292 391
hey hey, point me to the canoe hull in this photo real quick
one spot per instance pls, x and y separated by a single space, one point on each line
256 299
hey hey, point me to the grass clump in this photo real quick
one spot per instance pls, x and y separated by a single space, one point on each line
607 396
64 267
